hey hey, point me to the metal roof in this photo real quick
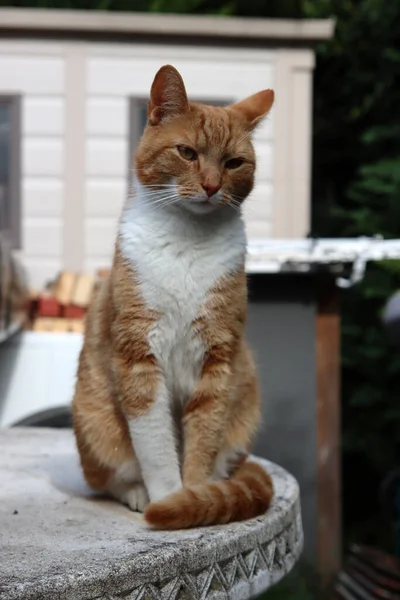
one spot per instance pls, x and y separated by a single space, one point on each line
331 255
303 31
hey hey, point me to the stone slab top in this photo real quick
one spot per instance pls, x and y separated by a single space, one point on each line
58 540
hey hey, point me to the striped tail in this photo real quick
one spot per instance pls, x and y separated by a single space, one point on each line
246 495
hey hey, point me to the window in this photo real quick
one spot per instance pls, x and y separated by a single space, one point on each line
137 123
9 167
138 119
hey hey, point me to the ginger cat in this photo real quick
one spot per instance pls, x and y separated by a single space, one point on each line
166 401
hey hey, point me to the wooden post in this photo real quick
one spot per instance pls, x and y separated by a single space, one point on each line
328 430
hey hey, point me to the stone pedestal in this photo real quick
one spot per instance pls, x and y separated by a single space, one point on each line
58 540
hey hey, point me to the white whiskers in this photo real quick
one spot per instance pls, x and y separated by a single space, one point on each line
162 195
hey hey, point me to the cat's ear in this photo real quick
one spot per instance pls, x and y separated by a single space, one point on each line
255 107
167 97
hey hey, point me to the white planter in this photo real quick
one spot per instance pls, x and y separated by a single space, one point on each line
37 373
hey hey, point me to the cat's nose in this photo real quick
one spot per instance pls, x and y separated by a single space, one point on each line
210 189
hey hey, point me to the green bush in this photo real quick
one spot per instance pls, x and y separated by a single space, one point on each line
356 182
272 8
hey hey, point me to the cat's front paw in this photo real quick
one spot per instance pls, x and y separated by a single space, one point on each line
136 497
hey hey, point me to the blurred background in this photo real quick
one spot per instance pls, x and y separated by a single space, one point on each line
72 108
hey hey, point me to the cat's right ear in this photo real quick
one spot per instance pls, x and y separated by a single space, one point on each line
167 97
255 107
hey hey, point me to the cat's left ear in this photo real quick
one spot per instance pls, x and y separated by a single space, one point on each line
167 97
255 107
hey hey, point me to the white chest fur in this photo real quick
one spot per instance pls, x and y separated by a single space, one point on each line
179 257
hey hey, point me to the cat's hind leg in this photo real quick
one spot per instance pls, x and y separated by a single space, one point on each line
107 458
243 421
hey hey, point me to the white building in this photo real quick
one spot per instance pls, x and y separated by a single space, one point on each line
73 87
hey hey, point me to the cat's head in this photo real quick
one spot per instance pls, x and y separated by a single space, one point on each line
198 156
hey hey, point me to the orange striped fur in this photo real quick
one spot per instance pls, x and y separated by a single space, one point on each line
166 402
247 494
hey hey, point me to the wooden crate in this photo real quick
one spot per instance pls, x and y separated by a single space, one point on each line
62 306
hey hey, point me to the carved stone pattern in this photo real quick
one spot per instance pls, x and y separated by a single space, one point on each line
240 576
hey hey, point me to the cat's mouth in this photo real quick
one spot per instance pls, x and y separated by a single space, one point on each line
201 204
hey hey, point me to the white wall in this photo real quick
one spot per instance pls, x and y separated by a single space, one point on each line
75 138
39 78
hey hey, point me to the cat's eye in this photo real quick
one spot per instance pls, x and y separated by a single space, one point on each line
234 163
187 152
